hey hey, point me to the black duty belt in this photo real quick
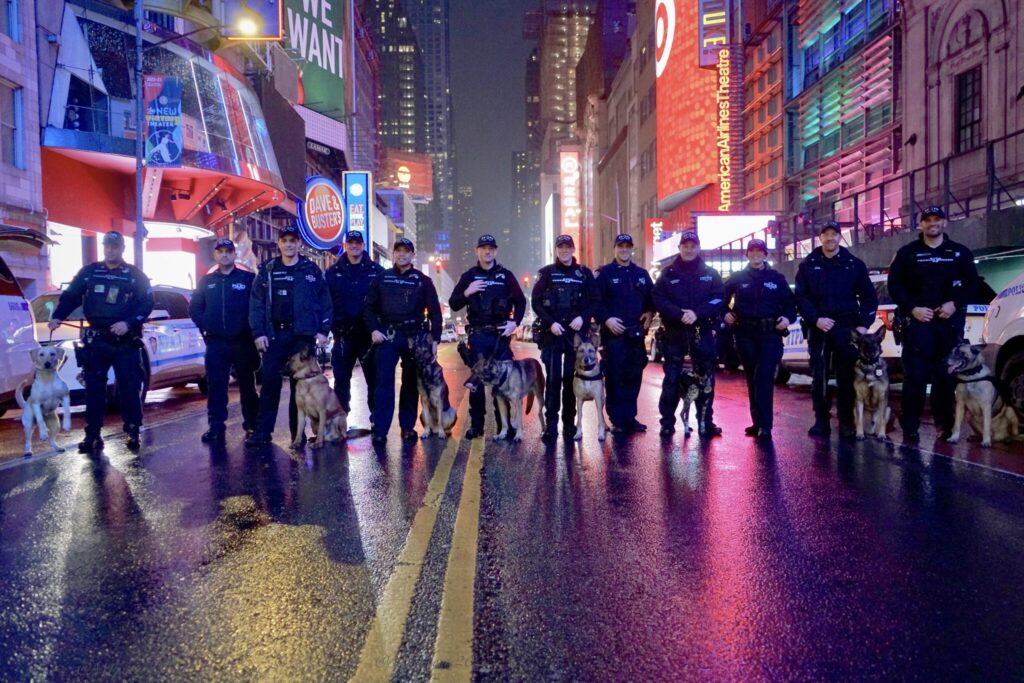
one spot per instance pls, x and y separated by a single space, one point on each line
758 324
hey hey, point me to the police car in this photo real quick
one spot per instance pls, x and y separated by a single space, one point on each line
795 357
16 338
1004 328
174 347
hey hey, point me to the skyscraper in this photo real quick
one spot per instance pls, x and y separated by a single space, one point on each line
463 255
429 20
526 252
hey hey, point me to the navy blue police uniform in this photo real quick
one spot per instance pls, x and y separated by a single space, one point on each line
290 305
694 286
923 276
109 296
220 309
759 297
623 292
839 288
561 293
348 283
501 300
404 307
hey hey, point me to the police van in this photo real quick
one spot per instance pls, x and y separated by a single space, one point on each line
16 338
173 346
1004 329
796 359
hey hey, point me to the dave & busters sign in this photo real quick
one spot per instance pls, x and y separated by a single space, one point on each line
322 213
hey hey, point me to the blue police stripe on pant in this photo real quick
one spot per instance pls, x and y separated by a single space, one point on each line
760 354
623 361
221 356
925 349
387 356
124 355
559 360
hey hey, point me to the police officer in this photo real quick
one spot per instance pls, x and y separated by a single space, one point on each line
402 309
762 308
690 298
220 309
116 299
348 281
290 309
932 280
563 303
624 308
835 296
496 306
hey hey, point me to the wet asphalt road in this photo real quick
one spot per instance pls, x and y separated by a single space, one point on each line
635 559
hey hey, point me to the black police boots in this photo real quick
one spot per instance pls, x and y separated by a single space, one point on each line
820 428
91 444
256 439
213 436
133 442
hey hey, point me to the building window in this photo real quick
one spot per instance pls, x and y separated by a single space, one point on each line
9 24
968 110
11 148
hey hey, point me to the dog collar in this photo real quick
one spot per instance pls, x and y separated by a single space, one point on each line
973 371
599 375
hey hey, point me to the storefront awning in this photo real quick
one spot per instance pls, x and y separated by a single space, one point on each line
676 199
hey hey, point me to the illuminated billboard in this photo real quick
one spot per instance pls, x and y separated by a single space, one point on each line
317 32
713 23
718 229
569 197
413 173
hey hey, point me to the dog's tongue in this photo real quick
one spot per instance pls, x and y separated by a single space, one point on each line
470 384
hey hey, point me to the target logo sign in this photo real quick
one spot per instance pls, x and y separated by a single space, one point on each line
664 32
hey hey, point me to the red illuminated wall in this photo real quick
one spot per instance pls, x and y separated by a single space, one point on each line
686 110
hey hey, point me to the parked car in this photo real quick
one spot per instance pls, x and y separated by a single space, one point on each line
173 348
1004 329
448 334
17 338
795 357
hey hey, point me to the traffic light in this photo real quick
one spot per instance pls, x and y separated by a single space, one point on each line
437 264
526 280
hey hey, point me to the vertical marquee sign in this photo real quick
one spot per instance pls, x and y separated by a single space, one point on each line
569 168
713 25
358 198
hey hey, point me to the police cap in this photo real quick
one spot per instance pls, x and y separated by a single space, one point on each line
353 236
487 241
623 238
757 244
224 243
933 211
404 243
689 236
830 225
113 237
564 240
289 230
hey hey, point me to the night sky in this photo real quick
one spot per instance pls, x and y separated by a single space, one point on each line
488 88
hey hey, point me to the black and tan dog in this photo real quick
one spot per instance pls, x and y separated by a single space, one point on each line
978 396
315 400
696 389
510 381
588 384
436 412
870 384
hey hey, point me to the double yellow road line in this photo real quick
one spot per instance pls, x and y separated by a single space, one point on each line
453 648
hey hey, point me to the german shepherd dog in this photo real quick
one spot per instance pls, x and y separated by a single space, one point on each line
315 399
977 394
588 384
870 384
436 412
696 389
510 381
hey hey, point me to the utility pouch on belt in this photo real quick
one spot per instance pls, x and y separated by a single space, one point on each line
898 326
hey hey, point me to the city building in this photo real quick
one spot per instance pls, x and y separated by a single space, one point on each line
764 109
401 75
21 182
525 252
463 253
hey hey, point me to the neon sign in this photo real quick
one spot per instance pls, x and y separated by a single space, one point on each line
570 183
713 23
723 128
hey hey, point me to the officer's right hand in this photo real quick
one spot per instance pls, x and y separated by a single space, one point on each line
825 324
474 287
119 328
922 314
557 329
615 325
378 337
689 317
262 344
53 324
729 318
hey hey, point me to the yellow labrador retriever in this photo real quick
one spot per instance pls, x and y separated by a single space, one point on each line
48 392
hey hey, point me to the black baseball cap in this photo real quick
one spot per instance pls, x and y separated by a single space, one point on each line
224 243
354 236
830 225
757 244
933 211
405 243
287 230
113 237
487 241
689 236
564 239
623 238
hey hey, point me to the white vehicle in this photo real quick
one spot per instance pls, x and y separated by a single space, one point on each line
795 357
16 338
174 348
1004 329
448 334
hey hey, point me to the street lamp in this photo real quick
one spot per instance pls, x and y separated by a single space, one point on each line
247 25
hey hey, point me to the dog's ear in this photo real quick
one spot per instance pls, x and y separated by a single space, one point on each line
854 337
33 355
978 348
61 355
882 331
576 340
